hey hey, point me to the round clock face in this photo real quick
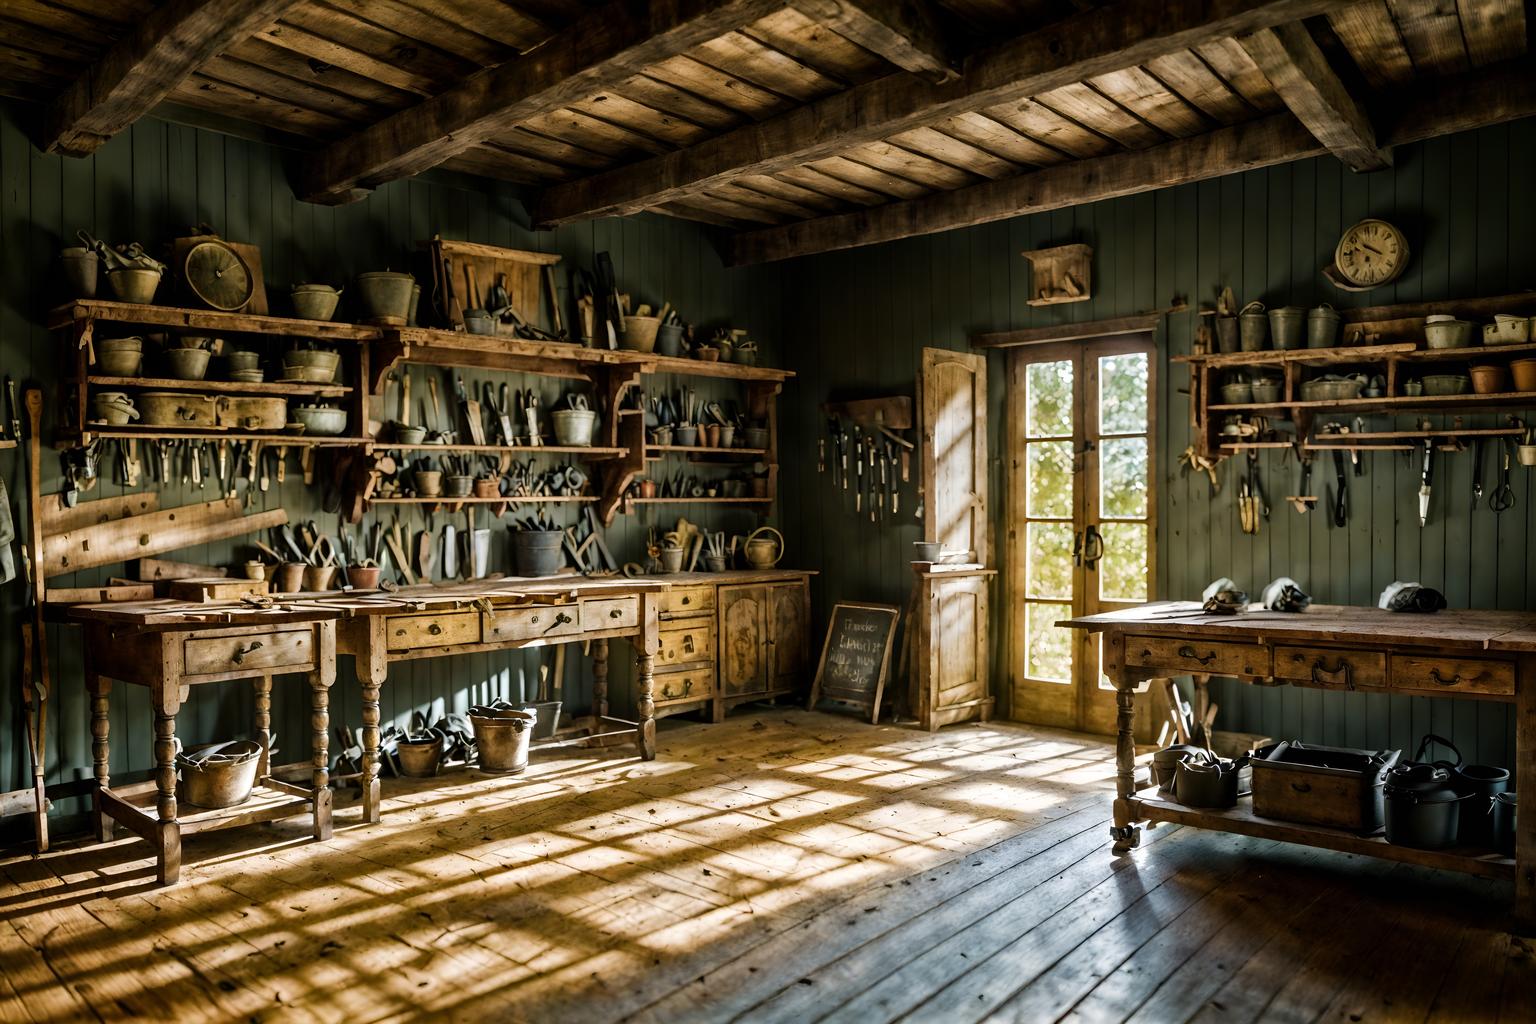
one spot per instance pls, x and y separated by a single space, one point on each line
1371 252
218 276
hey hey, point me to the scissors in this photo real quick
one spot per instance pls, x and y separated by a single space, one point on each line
1503 496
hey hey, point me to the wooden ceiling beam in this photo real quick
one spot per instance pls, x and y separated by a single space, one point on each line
905 32
601 50
1312 90
1095 42
141 69
1492 96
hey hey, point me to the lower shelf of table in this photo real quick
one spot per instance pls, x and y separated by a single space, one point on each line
1242 821
267 802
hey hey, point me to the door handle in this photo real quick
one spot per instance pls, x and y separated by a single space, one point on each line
1093 547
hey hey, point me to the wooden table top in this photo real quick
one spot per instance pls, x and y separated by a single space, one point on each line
167 613
1465 629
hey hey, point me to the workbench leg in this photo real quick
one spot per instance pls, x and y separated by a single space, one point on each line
1525 797
372 666
100 689
262 724
599 683
1125 833
166 698
645 705
320 761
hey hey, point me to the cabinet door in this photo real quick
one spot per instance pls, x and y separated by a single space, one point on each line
788 620
743 653
958 652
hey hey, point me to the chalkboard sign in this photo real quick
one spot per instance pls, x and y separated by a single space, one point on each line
856 658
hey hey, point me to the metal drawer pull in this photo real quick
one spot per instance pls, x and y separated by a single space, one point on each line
1339 676
616 613
1434 674
667 694
560 620
241 652
1301 787
434 629
685 599
1189 652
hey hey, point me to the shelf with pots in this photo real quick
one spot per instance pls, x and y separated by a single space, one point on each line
1395 367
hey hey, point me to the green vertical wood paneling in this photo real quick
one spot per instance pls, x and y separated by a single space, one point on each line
157 180
862 318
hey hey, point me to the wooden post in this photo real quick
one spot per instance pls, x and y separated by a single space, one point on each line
1125 832
599 683
320 682
372 666
646 646
100 689
165 698
262 723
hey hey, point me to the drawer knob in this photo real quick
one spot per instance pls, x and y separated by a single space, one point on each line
616 614
241 652
435 629
685 600
1341 676
560 620
1302 787
1434 674
1189 652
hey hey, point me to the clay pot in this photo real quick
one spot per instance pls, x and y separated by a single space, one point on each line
289 578
363 577
1489 380
318 577
429 482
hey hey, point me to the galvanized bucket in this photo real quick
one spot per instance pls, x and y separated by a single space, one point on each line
1322 326
502 739
1253 327
1285 327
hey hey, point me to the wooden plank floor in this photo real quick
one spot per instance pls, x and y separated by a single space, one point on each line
783 866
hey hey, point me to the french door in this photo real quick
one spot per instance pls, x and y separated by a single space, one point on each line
1081 519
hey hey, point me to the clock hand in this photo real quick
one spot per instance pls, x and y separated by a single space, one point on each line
1372 248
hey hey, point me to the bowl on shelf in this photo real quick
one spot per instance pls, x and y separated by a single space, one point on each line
1524 373
1507 330
187 363
1489 380
114 407
686 437
1237 393
134 284
1453 333
460 485
242 359
1441 384
247 376
1267 390
319 420
1331 389
122 362
315 301
407 433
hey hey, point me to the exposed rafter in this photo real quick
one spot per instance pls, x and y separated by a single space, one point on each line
1291 60
1092 43
167 45
602 49
1503 93
905 32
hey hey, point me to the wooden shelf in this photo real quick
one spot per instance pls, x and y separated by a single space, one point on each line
700 368
505 499
74 313
6 443
208 434
1399 403
1304 356
678 449
592 452
698 501
1242 821
229 387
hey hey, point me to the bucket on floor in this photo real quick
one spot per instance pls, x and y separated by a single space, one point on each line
501 737
548 712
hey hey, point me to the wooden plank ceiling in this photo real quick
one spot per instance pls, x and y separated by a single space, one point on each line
800 125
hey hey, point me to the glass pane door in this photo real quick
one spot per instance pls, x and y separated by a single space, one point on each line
1080 510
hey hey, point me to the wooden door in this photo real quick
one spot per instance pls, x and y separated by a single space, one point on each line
956 647
743 653
955 452
1081 517
788 620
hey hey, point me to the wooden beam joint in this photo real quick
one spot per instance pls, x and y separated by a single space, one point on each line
905 32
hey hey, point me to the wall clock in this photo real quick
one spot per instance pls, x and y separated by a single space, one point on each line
217 276
1369 254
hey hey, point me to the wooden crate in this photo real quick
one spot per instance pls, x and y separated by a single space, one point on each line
471 269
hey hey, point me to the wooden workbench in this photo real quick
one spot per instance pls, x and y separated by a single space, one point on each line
500 615
1462 655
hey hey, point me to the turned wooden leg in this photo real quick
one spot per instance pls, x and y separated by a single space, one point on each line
100 689
262 724
166 698
1125 833
645 706
320 682
1525 798
599 683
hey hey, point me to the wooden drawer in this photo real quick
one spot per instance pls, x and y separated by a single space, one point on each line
435 629
1332 669
686 646
1453 675
676 687
684 601
610 613
1177 656
259 653
533 622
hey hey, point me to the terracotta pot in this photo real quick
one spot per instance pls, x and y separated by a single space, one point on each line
289 578
1524 371
318 577
1489 380
429 483
488 487
363 577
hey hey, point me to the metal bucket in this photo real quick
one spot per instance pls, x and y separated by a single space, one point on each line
501 738
420 758
386 297
1322 326
134 284
1253 327
573 427
537 552
669 340
548 713
1226 334
218 775
81 266
1285 327
315 301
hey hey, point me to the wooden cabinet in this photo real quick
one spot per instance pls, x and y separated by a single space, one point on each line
763 641
952 658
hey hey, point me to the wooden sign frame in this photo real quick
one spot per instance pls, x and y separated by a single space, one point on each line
881 677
